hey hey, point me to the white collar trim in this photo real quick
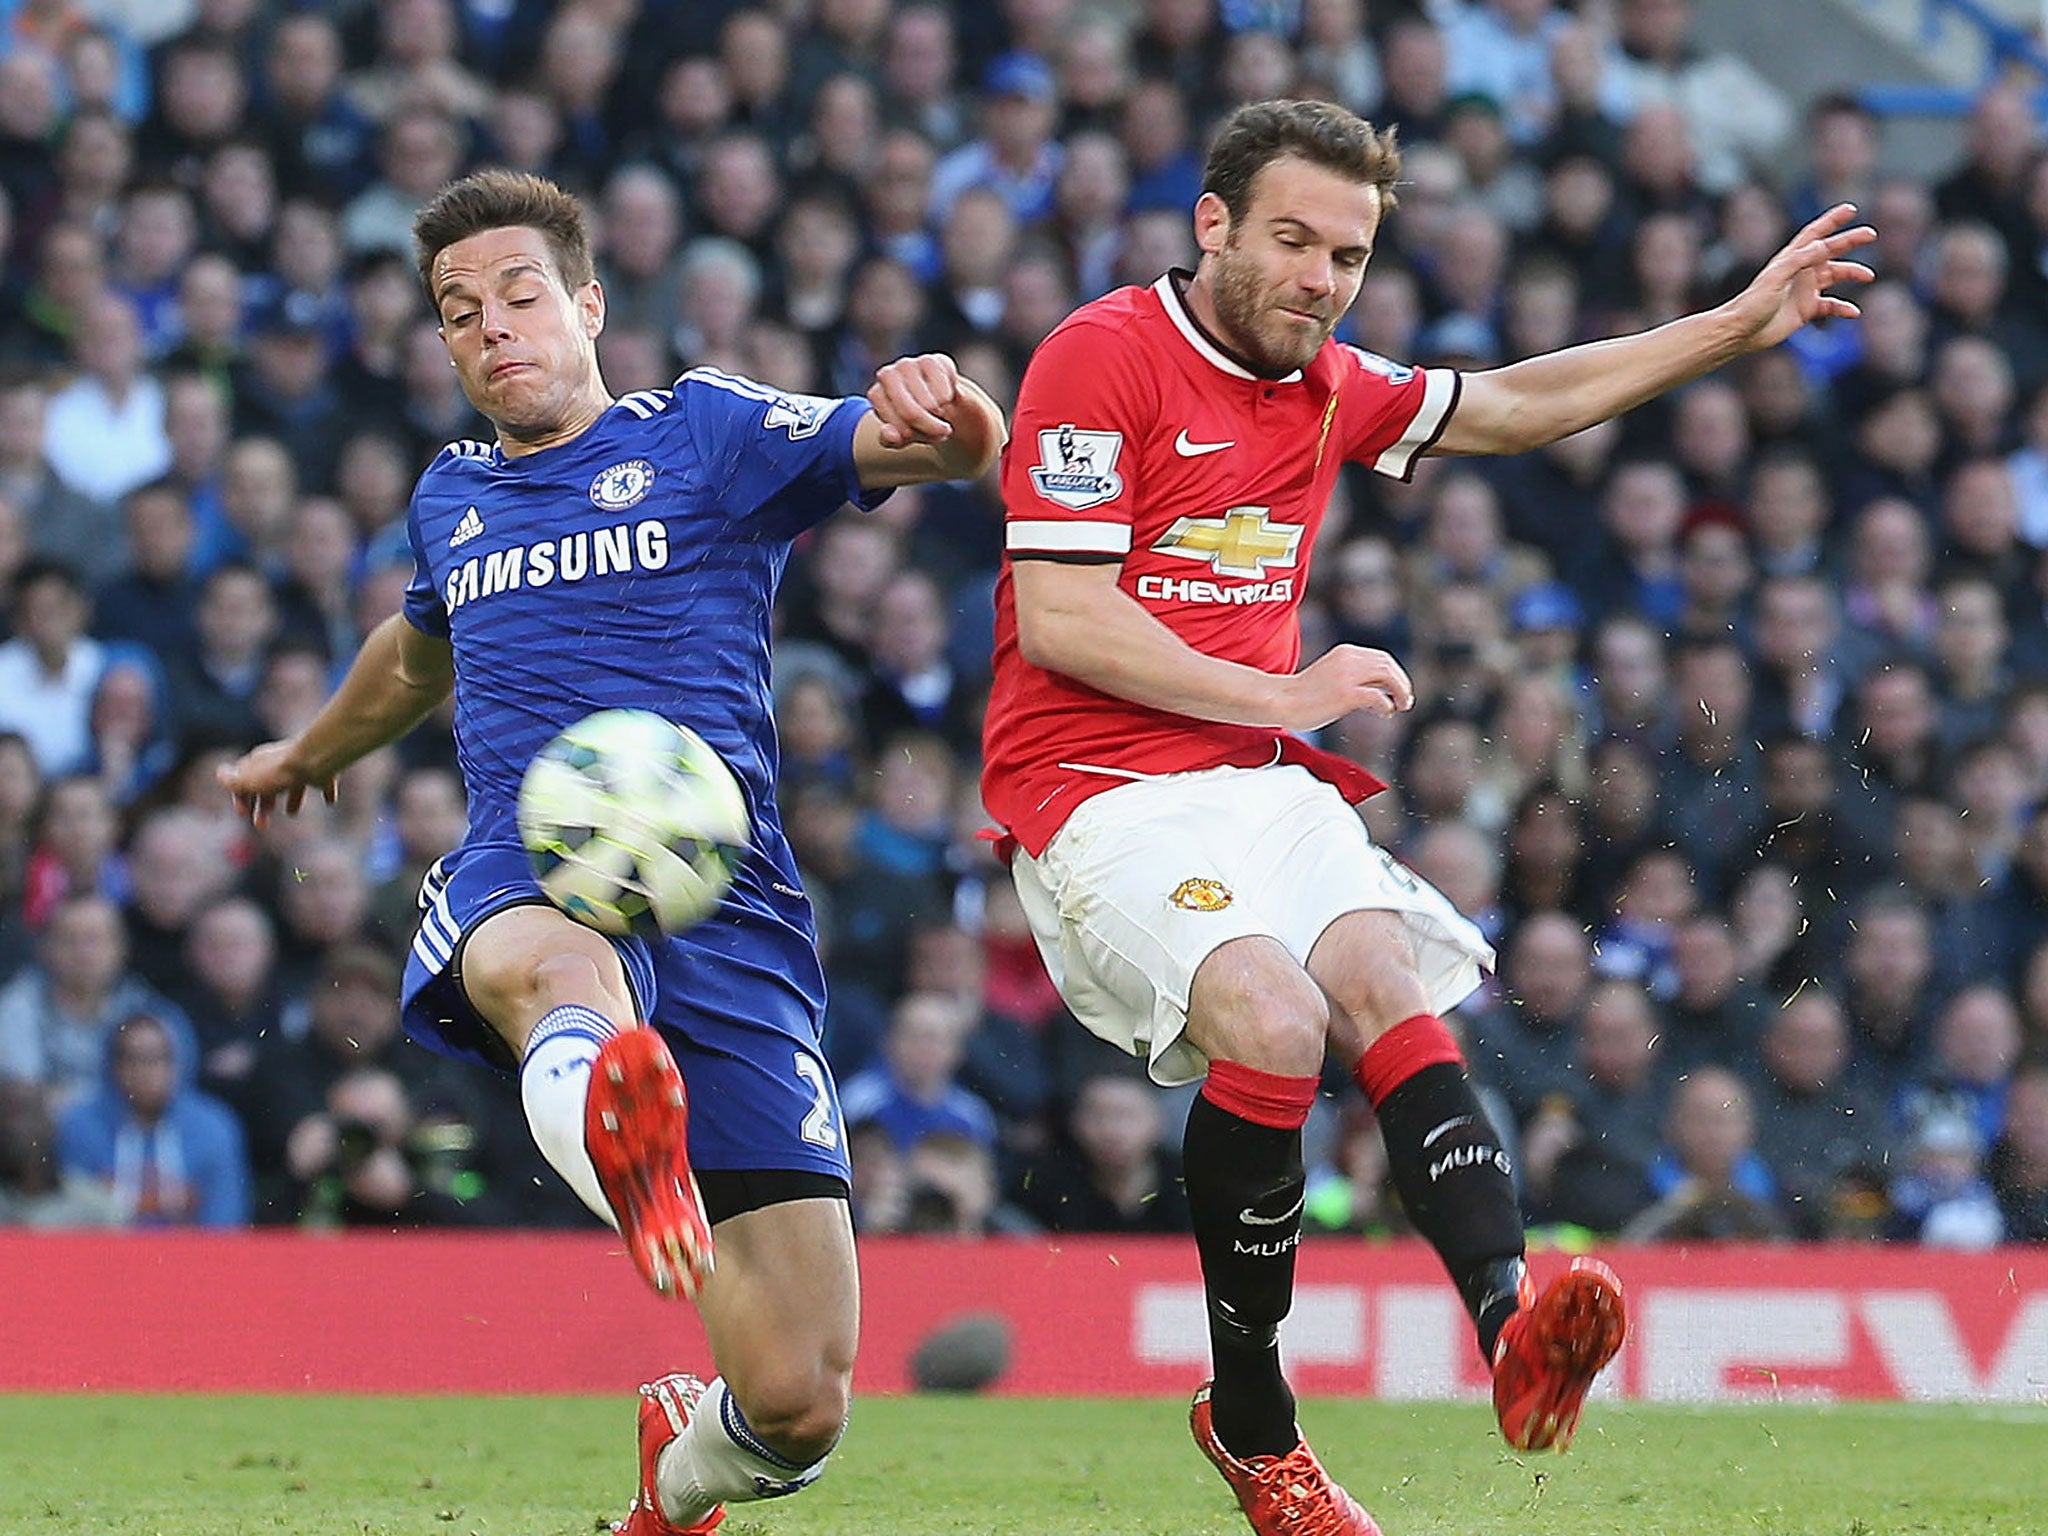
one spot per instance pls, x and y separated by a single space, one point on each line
1177 311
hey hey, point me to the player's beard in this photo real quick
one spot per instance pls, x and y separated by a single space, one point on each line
1252 322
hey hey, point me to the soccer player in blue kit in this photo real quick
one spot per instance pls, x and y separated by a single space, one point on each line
624 553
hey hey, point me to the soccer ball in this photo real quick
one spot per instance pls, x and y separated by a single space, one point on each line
634 825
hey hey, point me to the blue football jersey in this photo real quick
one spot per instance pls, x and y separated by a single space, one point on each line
633 568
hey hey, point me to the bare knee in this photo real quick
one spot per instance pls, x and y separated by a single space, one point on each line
798 1412
1366 962
514 974
1251 1003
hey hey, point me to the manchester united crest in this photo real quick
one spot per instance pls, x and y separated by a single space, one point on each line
1201 895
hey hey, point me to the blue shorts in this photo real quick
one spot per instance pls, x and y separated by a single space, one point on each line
761 1096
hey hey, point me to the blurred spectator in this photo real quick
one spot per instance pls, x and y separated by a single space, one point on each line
2019 1162
641 224
229 990
57 1014
1989 186
911 686
429 814
420 150
316 137
104 432
1816 1124
912 1090
418 60
36 1190
75 851
151 602
1941 1198
1888 987
1524 1048
62 524
351 1023
176 866
952 1190
373 1158
169 1154
1801 825
1112 1175
1713 1014
880 1193
1586 1155
215 691
1736 118
49 670
1710 1183
1352 1190
1976 1043
1843 143
1713 774
920 64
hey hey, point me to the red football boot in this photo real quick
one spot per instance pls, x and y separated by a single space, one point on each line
1549 1352
636 1124
665 1408
1287 1495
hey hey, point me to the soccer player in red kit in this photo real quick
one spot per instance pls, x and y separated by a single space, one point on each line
1198 881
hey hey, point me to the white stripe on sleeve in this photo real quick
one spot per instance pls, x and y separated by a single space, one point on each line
1439 393
1057 535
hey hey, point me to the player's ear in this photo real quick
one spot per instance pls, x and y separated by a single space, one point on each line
590 304
1212 223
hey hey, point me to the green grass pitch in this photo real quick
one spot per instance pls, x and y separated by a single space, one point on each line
231 1466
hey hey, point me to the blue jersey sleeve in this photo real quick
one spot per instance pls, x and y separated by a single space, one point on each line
780 463
424 608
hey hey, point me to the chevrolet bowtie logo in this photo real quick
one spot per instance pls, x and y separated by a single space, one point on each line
1239 543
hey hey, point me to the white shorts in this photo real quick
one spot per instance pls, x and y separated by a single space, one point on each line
1144 880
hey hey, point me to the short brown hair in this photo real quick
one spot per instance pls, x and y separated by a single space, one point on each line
499 199
1254 136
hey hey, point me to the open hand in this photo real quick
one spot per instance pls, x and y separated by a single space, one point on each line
1792 289
259 778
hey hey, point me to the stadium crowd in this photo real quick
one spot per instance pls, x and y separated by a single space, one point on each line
1732 718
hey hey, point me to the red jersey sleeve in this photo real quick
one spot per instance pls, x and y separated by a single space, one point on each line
1070 472
1394 412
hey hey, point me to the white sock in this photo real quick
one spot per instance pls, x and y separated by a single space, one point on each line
554 1080
719 1459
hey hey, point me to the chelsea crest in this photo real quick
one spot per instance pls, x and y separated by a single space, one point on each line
623 485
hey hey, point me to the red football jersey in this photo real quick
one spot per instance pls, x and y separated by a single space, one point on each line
1138 440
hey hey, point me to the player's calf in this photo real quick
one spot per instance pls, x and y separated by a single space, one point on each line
1455 1179
720 1458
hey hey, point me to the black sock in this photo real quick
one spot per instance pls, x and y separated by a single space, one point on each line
1457 1187
1245 1185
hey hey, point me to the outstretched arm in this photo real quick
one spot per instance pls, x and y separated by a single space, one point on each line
1539 400
1075 620
397 679
930 422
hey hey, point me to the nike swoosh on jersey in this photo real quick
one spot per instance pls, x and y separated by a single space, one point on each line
1192 450
1252 1218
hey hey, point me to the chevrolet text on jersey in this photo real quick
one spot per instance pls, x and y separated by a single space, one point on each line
1172 589
573 557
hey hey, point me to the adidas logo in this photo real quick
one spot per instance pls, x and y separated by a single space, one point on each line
470 526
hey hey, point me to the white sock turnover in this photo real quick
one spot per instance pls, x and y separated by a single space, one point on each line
719 1459
554 1080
